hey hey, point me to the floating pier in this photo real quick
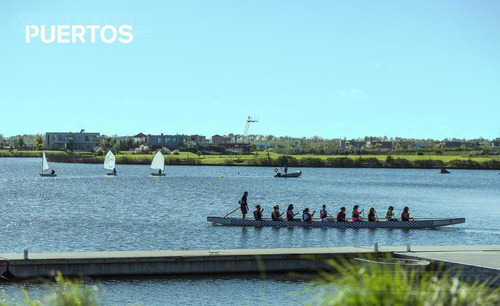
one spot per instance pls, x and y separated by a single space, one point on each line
475 259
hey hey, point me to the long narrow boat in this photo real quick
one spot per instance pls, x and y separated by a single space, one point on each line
416 223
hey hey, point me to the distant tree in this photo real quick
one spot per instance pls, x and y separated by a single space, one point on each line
20 142
39 141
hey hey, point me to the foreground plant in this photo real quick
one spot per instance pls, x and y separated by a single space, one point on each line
66 292
375 285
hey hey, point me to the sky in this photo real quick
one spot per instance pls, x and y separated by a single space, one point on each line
327 68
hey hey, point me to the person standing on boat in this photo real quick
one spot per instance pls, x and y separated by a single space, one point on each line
389 214
306 216
371 215
405 215
275 215
289 213
355 214
244 204
323 214
341 215
257 214
286 169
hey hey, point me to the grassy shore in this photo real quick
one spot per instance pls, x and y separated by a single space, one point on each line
277 160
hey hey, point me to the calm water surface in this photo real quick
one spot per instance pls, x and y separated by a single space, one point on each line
83 210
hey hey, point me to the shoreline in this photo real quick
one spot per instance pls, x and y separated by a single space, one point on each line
277 161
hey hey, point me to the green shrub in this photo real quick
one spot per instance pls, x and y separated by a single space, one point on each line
354 284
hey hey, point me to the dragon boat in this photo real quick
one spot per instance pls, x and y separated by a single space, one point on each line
414 223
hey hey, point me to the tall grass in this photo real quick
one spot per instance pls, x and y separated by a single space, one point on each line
66 292
374 285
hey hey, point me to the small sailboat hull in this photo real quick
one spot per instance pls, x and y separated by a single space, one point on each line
48 175
111 174
289 174
158 174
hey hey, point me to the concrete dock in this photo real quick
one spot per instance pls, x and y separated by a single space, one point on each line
484 259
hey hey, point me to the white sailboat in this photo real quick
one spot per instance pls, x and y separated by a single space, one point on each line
109 163
45 166
158 164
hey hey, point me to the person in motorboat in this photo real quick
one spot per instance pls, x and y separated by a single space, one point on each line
52 172
405 215
341 215
114 171
307 216
389 214
275 215
290 214
355 214
371 215
243 204
257 214
323 214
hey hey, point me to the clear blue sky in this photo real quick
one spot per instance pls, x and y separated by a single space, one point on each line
418 69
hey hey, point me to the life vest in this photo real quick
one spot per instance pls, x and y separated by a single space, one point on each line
340 216
275 216
403 218
306 217
323 213
257 214
389 215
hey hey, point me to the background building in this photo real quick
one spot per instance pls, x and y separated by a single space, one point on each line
72 141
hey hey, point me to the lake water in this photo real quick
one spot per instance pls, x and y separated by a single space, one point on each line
84 210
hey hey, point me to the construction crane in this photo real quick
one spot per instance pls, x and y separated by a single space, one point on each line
249 119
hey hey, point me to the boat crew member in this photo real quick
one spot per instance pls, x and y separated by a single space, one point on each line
52 172
257 214
355 214
244 204
159 171
290 214
323 214
275 215
371 215
389 214
405 215
286 169
114 170
341 215
306 216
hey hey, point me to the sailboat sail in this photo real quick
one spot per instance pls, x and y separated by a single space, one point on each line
158 162
45 164
109 161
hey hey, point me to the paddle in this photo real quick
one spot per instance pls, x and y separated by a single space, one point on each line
231 212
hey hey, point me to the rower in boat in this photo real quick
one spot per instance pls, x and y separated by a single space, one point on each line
306 216
323 214
405 215
257 214
389 214
341 215
355 214
290 214
275 215
371 215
